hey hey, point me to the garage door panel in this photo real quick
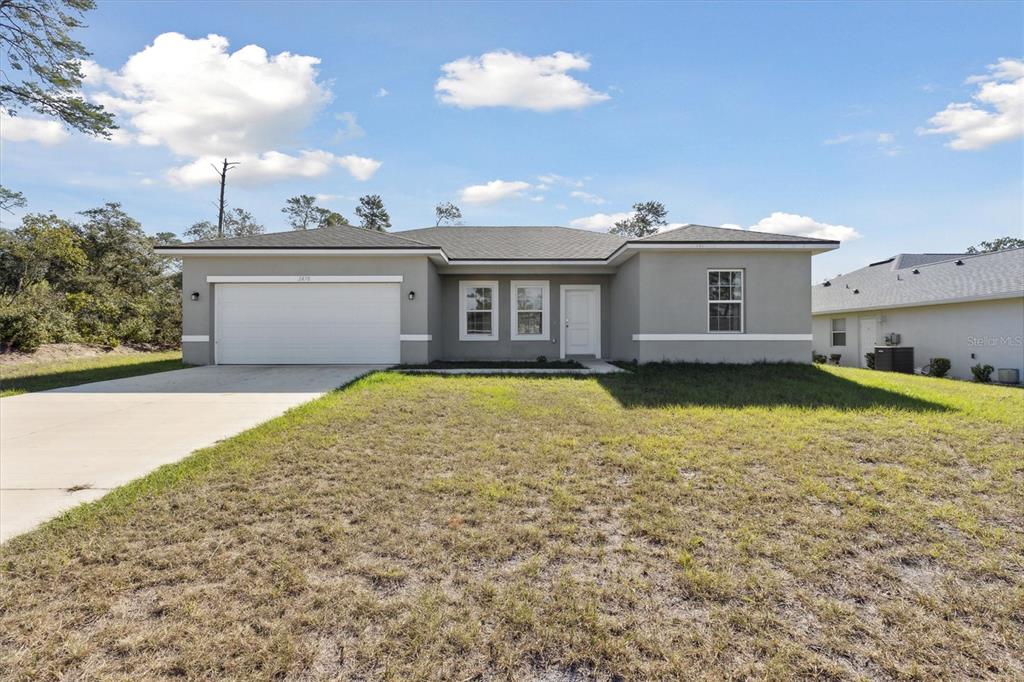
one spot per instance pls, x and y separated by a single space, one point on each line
308 323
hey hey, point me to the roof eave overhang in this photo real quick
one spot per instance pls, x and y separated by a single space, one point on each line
622 253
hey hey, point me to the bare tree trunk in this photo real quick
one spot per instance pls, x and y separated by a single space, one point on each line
223 173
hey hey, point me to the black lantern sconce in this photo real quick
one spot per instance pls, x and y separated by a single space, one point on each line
412 295
194 296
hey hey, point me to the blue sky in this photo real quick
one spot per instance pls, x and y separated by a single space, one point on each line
798 117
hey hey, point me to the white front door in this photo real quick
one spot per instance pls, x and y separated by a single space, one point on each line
307 323
868 337
582 321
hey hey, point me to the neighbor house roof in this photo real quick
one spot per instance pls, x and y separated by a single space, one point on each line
912 279
493 243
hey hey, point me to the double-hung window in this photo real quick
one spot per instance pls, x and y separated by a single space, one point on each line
725 301
839 331
478 311
530 310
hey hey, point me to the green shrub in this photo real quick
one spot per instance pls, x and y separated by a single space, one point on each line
22 329
982 373
819 358
939 367
869 359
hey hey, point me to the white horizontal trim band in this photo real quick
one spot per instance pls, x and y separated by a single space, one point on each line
195 338
303 279
723 337
415 337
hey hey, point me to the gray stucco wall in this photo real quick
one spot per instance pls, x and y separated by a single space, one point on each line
991 331
434 313
505 347
625 310
197 316
672 299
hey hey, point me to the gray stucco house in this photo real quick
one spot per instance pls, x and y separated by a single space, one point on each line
968 308
348 295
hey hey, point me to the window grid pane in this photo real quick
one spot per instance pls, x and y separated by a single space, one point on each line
529 298
478 322
529 323
725 296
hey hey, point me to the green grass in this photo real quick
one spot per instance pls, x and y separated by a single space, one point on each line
43 376
677 523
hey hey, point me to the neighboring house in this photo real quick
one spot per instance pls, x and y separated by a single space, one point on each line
348 295
968 308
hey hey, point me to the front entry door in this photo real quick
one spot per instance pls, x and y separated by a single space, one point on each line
582 320
868 338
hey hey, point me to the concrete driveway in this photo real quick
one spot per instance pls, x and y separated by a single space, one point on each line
103 435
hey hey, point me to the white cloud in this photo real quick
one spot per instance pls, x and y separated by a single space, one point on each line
350 128
23 129
360 167
197 98
996 115
587 197
884 142
382 93
561 207
495 190
555 179
202 101
600 222
803 226
271 166
537 199
507 79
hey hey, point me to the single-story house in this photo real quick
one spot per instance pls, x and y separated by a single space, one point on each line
349 295
968 308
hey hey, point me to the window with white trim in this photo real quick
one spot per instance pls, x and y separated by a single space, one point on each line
839 331
478 311
531 303
725 301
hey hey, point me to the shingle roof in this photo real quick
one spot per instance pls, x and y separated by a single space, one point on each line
922 279
705 233
519 243
489 243
337 237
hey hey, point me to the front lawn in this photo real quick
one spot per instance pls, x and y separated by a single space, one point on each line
677 523
29 377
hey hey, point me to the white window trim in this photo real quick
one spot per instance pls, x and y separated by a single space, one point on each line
707 306
545 327
495 320
832 332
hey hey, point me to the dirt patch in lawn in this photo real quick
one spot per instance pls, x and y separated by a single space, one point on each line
55 352
657 525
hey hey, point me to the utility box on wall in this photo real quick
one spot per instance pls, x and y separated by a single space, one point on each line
894 359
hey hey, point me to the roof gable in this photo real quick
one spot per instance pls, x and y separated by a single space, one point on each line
697 234
335 237
519 243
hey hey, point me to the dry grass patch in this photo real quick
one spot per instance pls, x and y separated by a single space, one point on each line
681 523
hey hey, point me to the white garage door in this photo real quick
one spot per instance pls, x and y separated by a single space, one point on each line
307 324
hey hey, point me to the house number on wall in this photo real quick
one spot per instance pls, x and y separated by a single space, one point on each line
302 278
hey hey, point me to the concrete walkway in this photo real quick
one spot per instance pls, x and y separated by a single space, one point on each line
102 435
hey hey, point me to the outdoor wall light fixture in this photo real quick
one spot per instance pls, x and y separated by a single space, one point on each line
412 295
194 296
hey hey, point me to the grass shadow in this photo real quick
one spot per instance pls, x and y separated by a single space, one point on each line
762 385
46 381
